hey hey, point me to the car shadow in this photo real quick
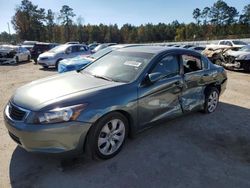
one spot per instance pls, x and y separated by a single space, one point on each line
16 64
195 146
48 69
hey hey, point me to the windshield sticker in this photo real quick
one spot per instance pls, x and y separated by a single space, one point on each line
132 63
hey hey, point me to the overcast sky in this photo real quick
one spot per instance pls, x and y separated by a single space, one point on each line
135 12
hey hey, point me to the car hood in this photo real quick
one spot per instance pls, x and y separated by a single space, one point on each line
6 51
38 94
47 54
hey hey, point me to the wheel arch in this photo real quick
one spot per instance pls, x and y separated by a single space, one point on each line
127 115
216 85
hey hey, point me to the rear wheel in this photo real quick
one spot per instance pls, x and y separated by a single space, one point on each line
107 136
45 67
57 63
211 100
17 59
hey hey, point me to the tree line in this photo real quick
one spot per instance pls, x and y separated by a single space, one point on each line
218 21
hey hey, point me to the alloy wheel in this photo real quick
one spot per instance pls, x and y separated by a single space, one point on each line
213 101
111 137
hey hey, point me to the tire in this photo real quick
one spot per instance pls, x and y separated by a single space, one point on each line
57 63
45 67
107 134
211 100
17 59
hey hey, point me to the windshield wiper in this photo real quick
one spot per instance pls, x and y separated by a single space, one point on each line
103 77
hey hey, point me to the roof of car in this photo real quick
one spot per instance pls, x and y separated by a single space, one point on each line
147 49
155 49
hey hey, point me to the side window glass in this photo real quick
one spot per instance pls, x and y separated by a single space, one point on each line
82 49
69 50
75 49
204 63
191 63
168 66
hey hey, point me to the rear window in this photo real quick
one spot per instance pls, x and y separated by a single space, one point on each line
191 63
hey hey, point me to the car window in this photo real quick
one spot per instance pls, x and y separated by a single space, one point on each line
204 62
168 66
69 49
75 49
228 43
222 42
191 63
82 48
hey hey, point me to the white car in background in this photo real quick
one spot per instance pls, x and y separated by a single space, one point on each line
65 51
233 43
10 54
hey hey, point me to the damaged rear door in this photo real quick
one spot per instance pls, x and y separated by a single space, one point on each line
193 91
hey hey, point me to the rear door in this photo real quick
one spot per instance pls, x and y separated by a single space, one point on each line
161 99
194 82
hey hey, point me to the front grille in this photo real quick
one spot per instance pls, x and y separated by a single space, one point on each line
16 113
15 138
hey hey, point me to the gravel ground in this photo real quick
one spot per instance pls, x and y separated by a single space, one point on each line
195 150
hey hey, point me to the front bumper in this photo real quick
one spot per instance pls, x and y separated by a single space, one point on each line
51 138
46 62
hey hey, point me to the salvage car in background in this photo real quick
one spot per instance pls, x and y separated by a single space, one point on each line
10 54
122 93
40 48
233 43
238 59
79 62
55 55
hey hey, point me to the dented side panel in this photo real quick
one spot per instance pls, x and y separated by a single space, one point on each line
193 91
159 100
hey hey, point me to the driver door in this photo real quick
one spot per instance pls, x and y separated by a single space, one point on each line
161 99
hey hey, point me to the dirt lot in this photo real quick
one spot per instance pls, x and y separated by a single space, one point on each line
196 150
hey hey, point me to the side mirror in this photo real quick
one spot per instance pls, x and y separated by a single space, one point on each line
154 77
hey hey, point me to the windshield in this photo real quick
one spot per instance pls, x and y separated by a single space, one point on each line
245 49
119 66
99 47
237 42
57 49
102 52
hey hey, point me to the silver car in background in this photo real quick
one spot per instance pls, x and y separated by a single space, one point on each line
55 55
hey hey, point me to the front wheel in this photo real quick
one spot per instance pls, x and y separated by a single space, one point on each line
107 136
28 59
211 100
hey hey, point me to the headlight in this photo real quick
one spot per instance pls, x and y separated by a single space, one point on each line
64 114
